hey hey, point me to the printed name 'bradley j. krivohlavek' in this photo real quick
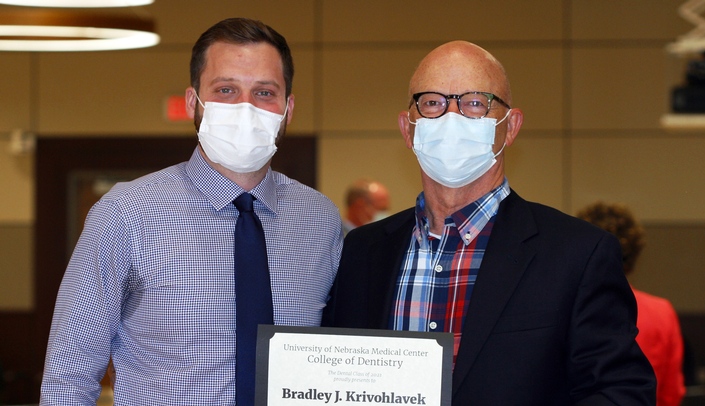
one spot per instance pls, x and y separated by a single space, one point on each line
354 396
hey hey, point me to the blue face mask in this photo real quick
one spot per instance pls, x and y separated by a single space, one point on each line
454 150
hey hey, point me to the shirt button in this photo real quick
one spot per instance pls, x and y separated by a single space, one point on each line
468 236
432 325
438 268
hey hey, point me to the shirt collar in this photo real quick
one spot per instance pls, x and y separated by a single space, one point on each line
221 191
466 222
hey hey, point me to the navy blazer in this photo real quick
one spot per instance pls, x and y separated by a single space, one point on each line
551 321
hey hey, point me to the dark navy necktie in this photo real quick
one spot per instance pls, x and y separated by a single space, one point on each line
253 295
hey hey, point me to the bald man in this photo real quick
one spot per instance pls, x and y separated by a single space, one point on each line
366 201
540 309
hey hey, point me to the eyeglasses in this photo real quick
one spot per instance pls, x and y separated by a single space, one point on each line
470 104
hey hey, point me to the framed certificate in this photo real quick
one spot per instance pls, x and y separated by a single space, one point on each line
320 365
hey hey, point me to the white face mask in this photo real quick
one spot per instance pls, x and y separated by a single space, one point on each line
454 150
241 137
380 215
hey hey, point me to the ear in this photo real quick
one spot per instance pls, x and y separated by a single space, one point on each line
290 111
191 101
405 128
514 122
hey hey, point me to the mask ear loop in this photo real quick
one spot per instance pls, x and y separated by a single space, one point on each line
505 142
500 150
286 110
199 100
408 118
503 118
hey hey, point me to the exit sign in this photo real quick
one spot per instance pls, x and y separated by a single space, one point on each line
176 109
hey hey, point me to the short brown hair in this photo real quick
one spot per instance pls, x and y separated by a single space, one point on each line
617 219
240 31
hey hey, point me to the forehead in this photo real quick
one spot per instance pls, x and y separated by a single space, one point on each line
458 71
259 61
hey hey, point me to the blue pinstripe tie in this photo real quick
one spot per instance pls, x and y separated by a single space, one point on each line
253 295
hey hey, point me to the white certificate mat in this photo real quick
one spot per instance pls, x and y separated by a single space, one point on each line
325 366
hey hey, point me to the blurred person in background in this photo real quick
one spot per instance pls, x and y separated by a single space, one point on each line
659 329
366 201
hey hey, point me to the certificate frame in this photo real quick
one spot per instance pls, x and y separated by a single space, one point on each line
340 365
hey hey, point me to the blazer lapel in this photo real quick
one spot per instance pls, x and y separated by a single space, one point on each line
387 256
503 264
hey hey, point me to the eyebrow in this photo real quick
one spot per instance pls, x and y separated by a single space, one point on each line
233 80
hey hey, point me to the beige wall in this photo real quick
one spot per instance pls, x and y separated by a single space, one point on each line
592 77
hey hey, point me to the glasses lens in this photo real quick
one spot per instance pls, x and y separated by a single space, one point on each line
432 105
474 105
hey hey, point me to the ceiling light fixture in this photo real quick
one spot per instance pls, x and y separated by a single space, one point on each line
61 30
78 3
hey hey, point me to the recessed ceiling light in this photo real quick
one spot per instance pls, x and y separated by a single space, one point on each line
78 3
60 30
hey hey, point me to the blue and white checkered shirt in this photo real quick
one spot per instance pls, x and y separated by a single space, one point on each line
151 283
